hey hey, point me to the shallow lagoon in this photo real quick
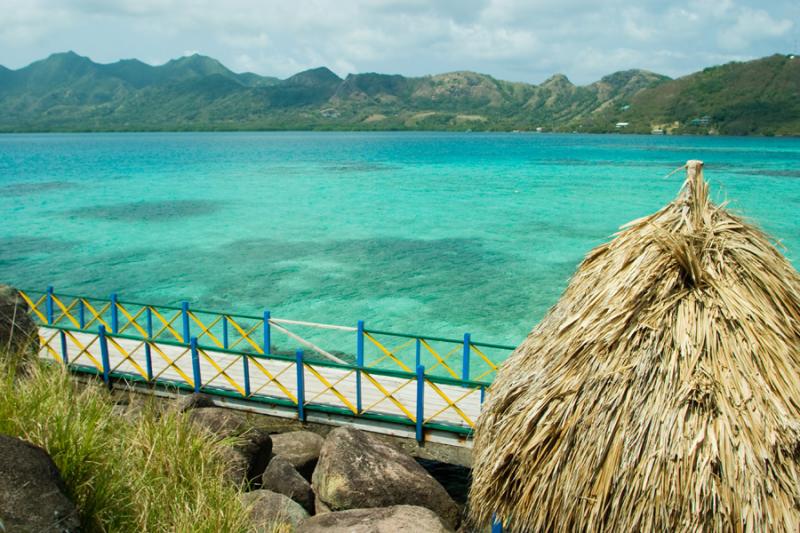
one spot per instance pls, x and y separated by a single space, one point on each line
435 233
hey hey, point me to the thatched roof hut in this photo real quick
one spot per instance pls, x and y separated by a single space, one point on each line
662 392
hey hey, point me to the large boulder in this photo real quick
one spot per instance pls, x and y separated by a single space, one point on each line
18 332
395 519
32 493
359 470
281 477
251 448
196 400
270 511
300 448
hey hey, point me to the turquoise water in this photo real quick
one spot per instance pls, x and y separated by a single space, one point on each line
424 232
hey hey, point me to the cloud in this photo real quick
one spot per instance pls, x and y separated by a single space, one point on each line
752 25
520 40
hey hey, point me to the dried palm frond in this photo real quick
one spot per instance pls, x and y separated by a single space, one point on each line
662 392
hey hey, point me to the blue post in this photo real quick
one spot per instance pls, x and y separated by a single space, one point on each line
225 332
147 355
267 335
483 394
420 402
359 363
418 358
114 314
81 313
195 364
497 525
185 313
64 348
101 333
246 374
465 362
301 387
49 305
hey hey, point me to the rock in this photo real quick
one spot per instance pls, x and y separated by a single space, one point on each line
195 400
270 511
359 470
319 506
300 448
395 519
281 477
250 453
32 493
18 331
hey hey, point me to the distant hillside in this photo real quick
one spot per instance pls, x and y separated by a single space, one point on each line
68 92
757 97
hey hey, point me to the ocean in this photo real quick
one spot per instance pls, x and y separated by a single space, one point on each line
429 233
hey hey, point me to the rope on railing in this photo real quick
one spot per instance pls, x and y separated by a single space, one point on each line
309 344
311 324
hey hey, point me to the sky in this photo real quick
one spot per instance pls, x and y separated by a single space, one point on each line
517 40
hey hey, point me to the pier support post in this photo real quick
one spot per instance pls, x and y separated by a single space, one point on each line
49 305
420 403
465 358
114 314
64 347
359 363
148 356
185 314
246 375
101 333
267 334
301 386
195 364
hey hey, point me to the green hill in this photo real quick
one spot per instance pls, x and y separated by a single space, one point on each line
68 92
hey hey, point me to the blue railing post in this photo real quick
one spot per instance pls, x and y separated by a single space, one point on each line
497 525
101 333
64 348
301 386
246 375
418 352
359 362
49 305
81 313
147 355
185 314
267 334
225 332
465 362
195 364
114 314
420 403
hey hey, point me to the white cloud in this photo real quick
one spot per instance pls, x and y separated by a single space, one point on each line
752 25
525 40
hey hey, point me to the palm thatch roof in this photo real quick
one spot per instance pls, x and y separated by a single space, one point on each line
662 392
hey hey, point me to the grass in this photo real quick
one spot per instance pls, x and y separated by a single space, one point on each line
153 472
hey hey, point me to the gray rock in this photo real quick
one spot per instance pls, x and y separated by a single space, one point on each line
251 448
32 493
300 448
281 477
395 519
19 334
195 400
358 470
319 506
270 511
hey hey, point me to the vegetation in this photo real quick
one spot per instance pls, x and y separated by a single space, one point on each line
154 472
67 92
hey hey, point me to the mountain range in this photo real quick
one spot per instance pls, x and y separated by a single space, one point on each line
69 92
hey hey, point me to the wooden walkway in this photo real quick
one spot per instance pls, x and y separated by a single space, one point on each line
272 378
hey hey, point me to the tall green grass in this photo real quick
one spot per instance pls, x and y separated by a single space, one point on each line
152 472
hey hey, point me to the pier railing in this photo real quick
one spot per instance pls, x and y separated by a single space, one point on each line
425 382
